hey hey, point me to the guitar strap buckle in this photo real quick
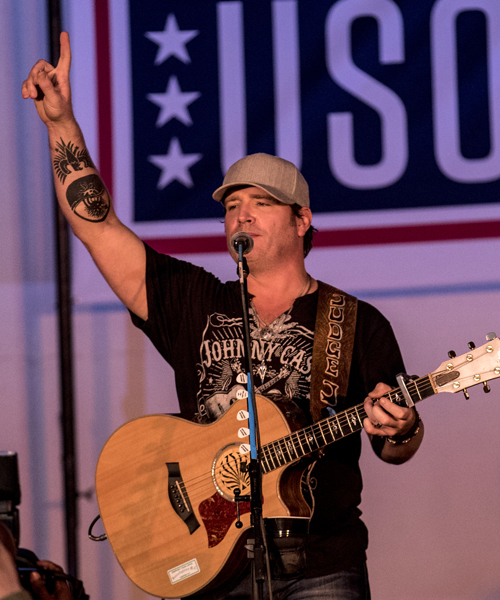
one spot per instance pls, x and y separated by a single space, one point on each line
403 379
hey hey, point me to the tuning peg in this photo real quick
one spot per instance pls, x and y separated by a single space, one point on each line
491 336
471 345
466 394
486 387
452 353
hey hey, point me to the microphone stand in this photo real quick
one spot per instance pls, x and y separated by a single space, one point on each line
256 547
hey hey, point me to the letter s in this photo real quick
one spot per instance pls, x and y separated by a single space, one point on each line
370 91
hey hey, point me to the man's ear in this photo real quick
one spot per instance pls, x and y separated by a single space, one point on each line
304 220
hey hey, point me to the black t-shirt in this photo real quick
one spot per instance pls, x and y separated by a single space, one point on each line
195 322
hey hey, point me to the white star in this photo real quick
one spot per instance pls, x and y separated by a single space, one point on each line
173 103
174 165
171 41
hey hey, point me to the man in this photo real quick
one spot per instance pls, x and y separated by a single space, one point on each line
196 324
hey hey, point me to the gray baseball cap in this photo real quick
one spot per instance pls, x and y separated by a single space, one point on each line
278 177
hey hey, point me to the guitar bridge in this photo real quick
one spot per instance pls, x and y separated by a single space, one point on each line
179 497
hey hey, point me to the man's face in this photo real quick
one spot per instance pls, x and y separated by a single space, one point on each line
273 226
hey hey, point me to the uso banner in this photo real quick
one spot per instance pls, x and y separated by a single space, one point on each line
384 105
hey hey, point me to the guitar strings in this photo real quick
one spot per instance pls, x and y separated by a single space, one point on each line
298 444
274 452
305 441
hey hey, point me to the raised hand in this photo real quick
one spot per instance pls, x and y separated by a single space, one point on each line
84 200
50 88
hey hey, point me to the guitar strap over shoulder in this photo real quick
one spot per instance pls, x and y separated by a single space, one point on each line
334 333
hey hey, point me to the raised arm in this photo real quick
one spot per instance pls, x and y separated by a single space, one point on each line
117 251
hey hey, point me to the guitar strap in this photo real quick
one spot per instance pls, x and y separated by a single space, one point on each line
333 344
334 333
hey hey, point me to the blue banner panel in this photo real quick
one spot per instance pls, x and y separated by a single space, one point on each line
381 104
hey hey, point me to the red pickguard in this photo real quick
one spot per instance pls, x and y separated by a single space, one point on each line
218 514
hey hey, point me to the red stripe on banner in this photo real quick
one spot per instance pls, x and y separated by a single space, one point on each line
104 115
348 237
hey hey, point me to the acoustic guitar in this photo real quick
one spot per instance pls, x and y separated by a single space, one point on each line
166 486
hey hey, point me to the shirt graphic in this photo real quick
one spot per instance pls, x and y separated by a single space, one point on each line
281 360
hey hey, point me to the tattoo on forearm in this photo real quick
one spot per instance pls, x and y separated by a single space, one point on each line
68 156
88 198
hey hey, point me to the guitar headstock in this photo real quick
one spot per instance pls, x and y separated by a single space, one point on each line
479 365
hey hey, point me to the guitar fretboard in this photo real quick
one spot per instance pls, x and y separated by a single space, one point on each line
318 435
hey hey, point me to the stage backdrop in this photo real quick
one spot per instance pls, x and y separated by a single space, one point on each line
391 110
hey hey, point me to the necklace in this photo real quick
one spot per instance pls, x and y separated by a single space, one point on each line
268 332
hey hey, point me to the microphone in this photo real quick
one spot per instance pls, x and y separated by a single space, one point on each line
242 238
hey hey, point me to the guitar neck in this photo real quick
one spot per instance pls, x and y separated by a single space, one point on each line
322 433
268 384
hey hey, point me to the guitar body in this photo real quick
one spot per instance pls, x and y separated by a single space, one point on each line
165 489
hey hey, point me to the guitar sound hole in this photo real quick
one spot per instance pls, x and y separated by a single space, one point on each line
230 472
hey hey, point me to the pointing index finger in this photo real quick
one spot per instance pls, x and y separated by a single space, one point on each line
65 56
